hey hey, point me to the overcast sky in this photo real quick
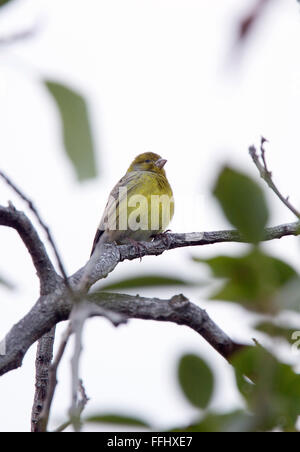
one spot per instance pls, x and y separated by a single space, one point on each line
158 75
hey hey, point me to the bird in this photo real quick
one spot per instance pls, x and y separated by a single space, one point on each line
140 206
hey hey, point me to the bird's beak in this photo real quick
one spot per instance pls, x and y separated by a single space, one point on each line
160 163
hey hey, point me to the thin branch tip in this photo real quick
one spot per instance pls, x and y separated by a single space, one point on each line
34 210
267 175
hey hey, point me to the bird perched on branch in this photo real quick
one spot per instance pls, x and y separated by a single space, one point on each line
140 206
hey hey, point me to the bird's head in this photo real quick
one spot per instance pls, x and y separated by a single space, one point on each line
148 162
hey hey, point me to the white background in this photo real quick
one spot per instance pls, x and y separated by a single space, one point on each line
159 75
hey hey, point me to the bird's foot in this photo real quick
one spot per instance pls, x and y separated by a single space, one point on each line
138 246
164 236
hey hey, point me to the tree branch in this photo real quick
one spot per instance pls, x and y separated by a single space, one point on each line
50 310
99 266
266 175
43 403
17 220
32 207
43 361
177 309
81 406
80 312
45 344
41 422
56 306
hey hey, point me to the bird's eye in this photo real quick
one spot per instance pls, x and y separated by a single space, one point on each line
147 161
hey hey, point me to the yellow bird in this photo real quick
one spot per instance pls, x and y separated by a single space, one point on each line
140 206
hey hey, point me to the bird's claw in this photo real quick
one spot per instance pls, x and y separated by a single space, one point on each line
164 237
139 247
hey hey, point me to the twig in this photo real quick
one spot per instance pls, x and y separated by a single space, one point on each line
44 357
63 427
41 222
250 19
42 423
80 312
78 317
84 398
266 175
17 220
81 406
18 36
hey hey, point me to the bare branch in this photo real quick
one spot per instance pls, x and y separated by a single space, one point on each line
62 427
81 406
18 36
80 312
45 345
56 306
17 220
99 266
266 175
44 357
85 310
52 309
77 319
41 222
177 309
49 281
42 421
247 23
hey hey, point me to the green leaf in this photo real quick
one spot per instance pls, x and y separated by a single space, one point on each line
274 398
243 203
251 279
196 380
116 419
3 2
147 281
77 132
236 421
273 330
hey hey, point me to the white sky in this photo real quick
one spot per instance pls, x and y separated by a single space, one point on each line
159 75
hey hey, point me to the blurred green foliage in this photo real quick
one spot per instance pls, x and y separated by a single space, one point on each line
196 380
147 281
4 2
243 203
258 282
273 330
76 129
251 279
274 394
118 419
235 421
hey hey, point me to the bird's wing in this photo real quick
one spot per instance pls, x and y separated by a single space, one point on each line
118 195
115 203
